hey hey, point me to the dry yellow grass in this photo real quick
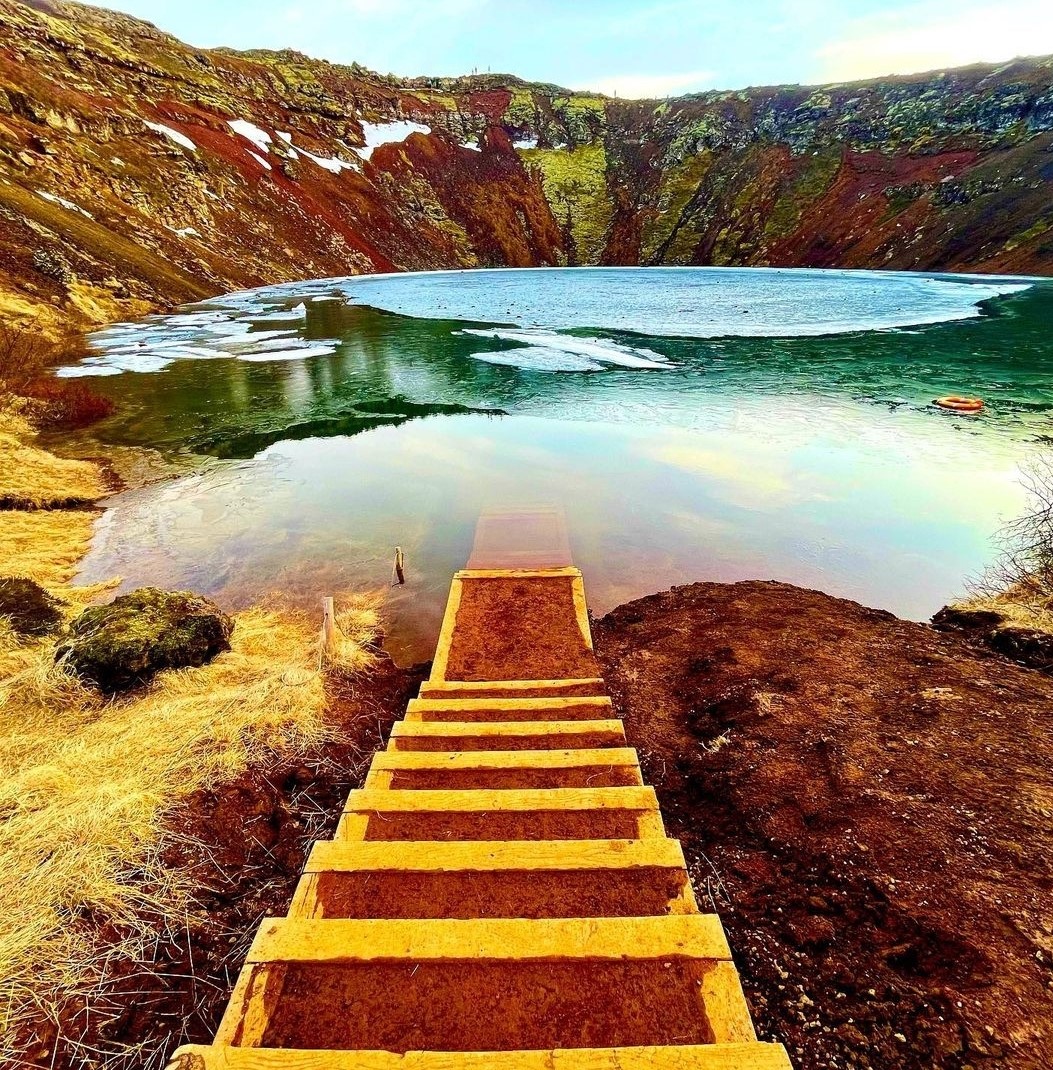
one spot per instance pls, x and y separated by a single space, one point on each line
32 478
1018 606
14 417
44 545
85 786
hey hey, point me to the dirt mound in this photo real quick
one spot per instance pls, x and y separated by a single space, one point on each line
867 802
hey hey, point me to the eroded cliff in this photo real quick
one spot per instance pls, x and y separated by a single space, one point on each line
136 171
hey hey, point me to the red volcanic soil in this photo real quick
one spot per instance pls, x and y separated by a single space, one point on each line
867 804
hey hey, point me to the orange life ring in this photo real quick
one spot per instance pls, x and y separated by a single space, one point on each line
957 404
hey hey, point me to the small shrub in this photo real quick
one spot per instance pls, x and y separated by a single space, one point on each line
24 353
60 403
66 403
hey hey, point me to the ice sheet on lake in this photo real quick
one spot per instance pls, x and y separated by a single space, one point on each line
591 349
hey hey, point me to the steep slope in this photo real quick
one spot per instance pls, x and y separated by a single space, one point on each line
136 171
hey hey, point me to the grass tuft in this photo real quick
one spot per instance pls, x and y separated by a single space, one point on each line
32 478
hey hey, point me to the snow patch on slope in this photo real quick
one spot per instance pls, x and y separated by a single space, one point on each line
377 134
174 135
69 205
251 132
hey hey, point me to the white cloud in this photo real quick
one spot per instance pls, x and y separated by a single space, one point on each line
937 35
651 86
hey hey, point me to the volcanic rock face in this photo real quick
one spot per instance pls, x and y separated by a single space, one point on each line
136 171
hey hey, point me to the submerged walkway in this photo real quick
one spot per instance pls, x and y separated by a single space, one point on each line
501 893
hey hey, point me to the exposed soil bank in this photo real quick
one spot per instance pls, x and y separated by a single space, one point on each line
867 801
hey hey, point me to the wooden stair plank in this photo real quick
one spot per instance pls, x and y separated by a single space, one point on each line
402 729
477 800
297 940
517 573
489 855
584 707
392 760
571 687
750 1056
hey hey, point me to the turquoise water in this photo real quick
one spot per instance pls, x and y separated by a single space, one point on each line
692 423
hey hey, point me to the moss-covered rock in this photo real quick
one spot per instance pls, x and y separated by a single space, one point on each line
125 643
1028 644
28 608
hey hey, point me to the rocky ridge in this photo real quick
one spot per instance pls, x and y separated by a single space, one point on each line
137 171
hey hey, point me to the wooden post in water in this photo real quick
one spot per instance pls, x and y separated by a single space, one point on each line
328 639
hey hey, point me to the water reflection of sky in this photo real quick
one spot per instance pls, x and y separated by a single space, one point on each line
865 515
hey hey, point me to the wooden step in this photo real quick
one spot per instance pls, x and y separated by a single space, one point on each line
539 855
512 759
508 893
506 735
687 936
602 767
496 879
447 689
756 1056
503 814
493 984
367 800
588 707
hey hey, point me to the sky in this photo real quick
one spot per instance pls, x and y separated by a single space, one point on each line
631 48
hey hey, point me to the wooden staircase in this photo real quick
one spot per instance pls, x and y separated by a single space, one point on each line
501 893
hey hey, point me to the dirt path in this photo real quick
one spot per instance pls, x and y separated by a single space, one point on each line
868 802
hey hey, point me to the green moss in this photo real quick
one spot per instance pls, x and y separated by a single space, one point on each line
810 184
575 186
1036 230
439 100
522 110
667 236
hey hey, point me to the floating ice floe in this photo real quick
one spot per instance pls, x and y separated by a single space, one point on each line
69 205
174 135
251 132
286 315
591 349
377 134
539 358
295 353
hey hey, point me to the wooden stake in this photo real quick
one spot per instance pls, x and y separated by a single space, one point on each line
329 630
